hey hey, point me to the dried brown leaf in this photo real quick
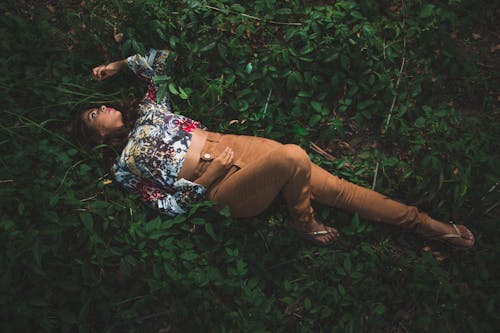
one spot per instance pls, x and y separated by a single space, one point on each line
118 36
439 256
51 8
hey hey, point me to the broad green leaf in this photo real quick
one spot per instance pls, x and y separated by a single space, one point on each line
173 89
87 220
208 47
210 231
162 92
427 11
182 93
248 68
189 256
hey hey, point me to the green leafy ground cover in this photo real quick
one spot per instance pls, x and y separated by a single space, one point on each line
407 91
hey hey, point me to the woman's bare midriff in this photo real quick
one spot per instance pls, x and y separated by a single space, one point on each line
193 154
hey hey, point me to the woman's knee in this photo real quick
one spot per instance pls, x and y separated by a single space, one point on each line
291 154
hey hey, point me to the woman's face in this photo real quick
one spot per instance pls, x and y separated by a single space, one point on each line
103 119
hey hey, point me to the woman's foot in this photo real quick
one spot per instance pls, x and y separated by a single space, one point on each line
454 235
317 233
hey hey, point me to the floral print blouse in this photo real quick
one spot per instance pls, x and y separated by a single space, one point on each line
150 162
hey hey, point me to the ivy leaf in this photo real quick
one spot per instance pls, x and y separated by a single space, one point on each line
162 92
427 11
173 89
87 220
248 68
207 47
210 231
182 93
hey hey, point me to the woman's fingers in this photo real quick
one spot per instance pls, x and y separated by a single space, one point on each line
95 73
99 73
229 157
226 157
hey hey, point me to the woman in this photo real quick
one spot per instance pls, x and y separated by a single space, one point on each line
171 161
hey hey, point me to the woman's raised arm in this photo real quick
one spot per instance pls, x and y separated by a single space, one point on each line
151 66
102 72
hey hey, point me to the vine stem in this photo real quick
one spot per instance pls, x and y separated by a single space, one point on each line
67 172
226 11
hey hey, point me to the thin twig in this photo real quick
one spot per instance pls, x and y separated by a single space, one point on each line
375 176
490 190
129 300
267 102
492 207
89 198
486 65
403 61
226 11
320 151
152 315
7 181
286 262
67 171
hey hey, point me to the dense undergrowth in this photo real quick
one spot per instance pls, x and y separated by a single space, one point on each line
401 92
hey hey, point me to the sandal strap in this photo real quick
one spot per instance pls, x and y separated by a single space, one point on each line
447 236
457 234
456 228
319 233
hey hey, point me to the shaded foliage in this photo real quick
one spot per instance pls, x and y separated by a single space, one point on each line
78 253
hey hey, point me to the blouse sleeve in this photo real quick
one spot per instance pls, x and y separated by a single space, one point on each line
153 64
169 201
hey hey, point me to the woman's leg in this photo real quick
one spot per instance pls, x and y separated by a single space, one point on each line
335 192
286 169
251 190
270 168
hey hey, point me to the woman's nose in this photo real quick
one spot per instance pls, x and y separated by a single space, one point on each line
102 108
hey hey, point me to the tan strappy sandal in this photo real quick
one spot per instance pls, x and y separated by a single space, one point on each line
314 236
449 237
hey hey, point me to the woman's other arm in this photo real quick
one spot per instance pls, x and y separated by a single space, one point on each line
218 168
170 201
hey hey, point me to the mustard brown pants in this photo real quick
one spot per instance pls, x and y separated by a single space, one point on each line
264 168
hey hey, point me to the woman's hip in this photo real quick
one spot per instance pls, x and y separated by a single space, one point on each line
246 149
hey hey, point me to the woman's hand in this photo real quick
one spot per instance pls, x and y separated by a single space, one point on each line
102 72
217 168
221 163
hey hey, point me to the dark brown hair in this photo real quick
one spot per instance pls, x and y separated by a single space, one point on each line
88 137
